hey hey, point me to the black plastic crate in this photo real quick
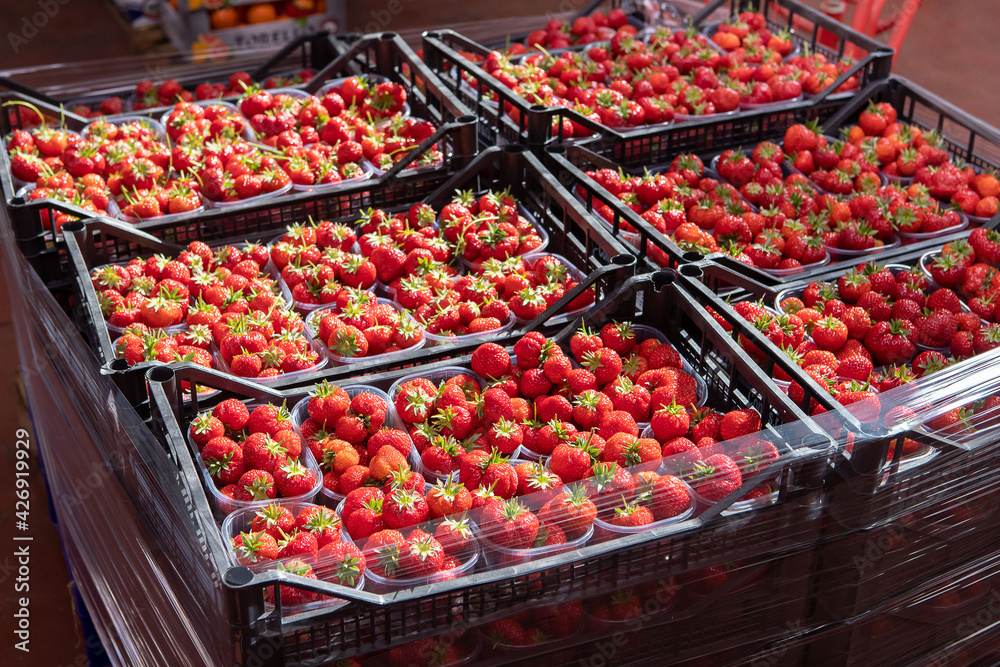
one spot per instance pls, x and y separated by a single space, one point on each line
572 233
632 10
863 490
860 570
929 625
534 124
72 84
757 602
965 137
383 54
373 622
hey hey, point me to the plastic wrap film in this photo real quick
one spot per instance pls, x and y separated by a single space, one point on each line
137 553
845 524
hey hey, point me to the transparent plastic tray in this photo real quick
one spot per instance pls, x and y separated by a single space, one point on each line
227 505
156 127
317 314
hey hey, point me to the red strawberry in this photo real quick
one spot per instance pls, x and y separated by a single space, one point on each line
631 515
255 547
754 455
619 336
605 363
491 361
737 423
716 477
669 422
665 495
224 460
233 414
255 485
509 524
421 555
204 428
572 461
275 520
404 508
294 479
582 342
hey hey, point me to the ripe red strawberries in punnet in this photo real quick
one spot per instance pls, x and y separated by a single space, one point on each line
252 455
203 306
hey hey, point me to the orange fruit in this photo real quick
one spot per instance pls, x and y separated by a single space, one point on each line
227 17
263 13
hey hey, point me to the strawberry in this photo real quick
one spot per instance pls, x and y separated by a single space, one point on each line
605 363
631 515
618 421
572 461
275 520
421 555
224 460
321 522
341 562
609 484
491 361
986 339
448 497
864 403
233 414
205 428
327 404
665 495
532 477
716 477
509 632
830 333
534 383
387 461
936 329
669 422
268 419
509 524
293 479
890 342
262 452
590 407
404 508
497 474
404 478
582 342
556 368
754 455
928 362
454 535
301 543
680 455
618 336
962 345
529 350
255 485
856 367
504 436
497 405
738 423
254 547
292 596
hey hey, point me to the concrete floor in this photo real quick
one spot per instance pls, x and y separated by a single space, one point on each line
950 51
